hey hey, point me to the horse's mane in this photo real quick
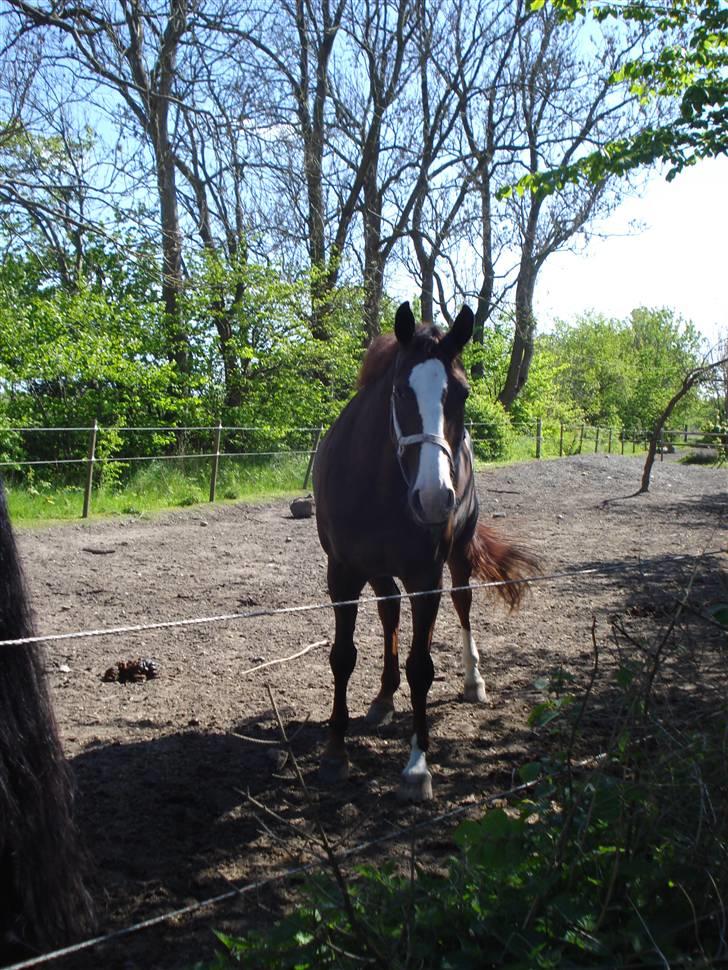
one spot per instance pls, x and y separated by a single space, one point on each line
382 351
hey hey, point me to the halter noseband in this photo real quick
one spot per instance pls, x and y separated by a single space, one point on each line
403 441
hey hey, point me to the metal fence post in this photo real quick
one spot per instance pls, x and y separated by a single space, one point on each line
312 457
215 461
539 427
90 459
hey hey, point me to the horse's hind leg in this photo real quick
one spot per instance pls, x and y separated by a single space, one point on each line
460 571
381 710
343 585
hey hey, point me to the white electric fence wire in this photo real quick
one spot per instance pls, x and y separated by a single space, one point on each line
275 611
313 607
245 890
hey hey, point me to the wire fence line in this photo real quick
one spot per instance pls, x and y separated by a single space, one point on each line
94 456
409 832
406 833
316 607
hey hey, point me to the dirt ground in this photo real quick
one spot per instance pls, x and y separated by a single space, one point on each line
163 779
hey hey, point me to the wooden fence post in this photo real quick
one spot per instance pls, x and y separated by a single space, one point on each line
561 439
581 438
685 434
621 438
539 427
90 459
319 432
215 461
609 443
596 441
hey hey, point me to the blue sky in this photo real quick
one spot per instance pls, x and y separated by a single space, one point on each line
678 259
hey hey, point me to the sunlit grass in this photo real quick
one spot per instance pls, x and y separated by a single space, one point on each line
160 485
156 485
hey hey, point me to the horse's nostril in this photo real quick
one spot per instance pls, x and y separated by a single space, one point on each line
450 500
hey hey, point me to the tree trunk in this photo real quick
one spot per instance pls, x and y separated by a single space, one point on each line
373 261
172 275
689 381
427 294
522 349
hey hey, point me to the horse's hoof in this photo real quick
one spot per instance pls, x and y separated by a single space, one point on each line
475 693
415 787
380 714
332 771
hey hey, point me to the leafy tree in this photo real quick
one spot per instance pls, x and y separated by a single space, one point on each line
689 67
625 371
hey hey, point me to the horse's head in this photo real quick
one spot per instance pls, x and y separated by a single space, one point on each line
428 405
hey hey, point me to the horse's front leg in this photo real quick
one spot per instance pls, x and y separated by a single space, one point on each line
416 781
381 710
343 585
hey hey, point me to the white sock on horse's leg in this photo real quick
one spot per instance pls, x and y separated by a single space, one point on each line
474 683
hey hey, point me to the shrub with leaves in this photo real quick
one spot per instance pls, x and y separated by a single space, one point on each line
619 860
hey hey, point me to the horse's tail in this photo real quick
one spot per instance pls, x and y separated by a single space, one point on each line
44 899
493 558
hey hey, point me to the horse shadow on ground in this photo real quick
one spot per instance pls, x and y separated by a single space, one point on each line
161 810
163 817
168 819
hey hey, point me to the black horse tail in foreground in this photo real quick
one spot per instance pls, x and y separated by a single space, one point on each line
43 902
395 497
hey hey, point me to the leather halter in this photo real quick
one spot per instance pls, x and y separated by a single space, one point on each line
403 441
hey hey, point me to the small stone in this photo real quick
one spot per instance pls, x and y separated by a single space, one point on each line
64 668
302 508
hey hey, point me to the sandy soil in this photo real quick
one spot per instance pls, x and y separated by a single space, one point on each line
162 777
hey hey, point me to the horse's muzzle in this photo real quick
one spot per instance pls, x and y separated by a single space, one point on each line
432 508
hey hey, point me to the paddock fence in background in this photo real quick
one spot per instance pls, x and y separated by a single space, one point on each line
97 446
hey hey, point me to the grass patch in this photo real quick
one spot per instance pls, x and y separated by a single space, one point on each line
160 485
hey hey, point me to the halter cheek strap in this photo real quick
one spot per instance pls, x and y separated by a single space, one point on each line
403 441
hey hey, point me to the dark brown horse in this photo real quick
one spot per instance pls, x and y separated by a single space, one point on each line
43 902
395 496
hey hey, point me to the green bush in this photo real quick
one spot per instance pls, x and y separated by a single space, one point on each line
615 861
489 425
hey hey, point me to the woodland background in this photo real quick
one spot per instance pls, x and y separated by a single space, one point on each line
202 203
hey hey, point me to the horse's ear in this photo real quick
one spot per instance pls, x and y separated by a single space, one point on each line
404 323
459 334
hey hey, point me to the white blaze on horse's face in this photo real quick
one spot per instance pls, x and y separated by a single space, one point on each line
433 487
